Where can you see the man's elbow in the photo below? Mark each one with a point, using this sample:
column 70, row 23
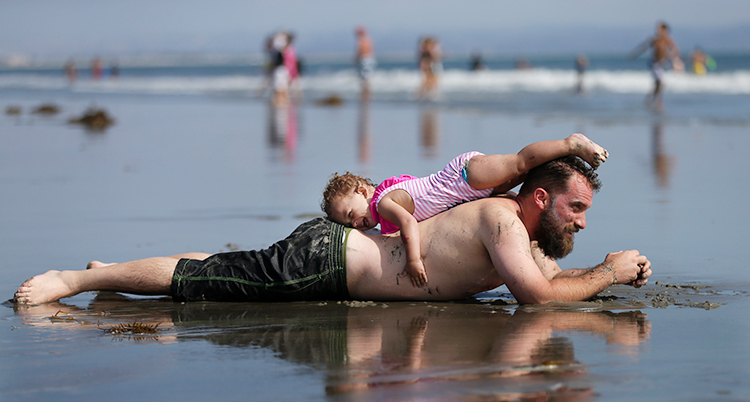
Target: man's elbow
column 534, row 298
column 544, row 297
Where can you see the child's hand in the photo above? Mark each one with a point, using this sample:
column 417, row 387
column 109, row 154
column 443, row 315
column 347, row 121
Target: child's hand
column 415, row 271
column 588, row 150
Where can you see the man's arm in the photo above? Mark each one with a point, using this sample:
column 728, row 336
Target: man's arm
column 508, row 244
column 640, row 49
column 612, row 259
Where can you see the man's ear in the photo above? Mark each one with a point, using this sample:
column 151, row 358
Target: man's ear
column 541, row 197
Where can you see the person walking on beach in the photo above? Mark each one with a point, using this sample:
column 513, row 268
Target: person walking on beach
column 472, row 248
column 364, row 60
column 279, row 71
column 70, row 70
column 289, row 55
column 430, row 65
column 398, row 203
column 97, row 69
column 582, row 63
column 664, row 50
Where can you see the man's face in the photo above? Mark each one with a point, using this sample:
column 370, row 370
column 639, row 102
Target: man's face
column 352, row 210
column 563, row 216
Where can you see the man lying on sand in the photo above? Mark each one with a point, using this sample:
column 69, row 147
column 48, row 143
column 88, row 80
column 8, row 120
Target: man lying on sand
column 472, row 248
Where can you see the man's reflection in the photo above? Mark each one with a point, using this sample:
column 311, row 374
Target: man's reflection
column 662, row 162
column 424, row 347
column 364, row 144
column 282, row 129
column 430, row 131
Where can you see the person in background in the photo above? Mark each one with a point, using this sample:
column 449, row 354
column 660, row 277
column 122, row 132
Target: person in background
column 70, row 70
column 476, row 63
column 701, row 62
column 430, row 64
column 280, row 73
column 582, row 63
column 664, row 49
column 364, row 60
column 289, row 55
column 97, row 69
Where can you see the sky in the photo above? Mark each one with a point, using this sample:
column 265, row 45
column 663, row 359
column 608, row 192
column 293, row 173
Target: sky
column 62, row 28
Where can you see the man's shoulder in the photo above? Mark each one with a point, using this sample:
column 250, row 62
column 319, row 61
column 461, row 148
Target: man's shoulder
column 497, row 208
column 500, row 201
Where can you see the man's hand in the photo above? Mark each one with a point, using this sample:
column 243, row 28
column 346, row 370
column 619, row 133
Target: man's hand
column 629, row 268
column 415, row 271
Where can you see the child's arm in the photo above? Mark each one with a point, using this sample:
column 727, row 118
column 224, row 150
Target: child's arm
column 490, row 171
column 395, row 207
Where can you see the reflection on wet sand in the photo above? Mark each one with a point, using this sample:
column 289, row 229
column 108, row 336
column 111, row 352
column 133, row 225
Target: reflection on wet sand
column 393, row 350
column 364, row 143
column 661, row 160
column 430, row 131
column 282, row 129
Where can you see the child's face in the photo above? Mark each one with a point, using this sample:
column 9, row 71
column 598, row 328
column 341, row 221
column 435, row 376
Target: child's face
column 353, row 210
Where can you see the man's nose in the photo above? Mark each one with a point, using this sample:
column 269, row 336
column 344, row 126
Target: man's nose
column 580, row 221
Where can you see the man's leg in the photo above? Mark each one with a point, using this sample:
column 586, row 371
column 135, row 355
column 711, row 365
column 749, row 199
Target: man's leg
column 151, row 276
column 191, row 256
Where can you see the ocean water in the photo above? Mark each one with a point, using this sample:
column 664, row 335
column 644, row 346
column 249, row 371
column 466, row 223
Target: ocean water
column 614, row 86
column 196, row 161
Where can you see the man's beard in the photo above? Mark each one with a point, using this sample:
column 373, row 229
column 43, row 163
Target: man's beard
column 551, row 235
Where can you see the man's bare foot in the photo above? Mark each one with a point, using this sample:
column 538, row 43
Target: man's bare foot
column 588, row 150
column 44, row 288
column 98, row 264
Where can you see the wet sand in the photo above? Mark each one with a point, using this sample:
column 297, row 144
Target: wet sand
column 176, row 174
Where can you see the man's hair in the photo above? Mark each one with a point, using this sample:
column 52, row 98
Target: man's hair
column 664, row 26
column 341, row 185
column 553, row 176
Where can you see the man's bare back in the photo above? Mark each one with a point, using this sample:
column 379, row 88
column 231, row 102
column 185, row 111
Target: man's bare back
column 452, row 250
column 662, row 46
column 480, row 245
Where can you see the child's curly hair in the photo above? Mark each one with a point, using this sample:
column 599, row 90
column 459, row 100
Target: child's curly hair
column 341, row 184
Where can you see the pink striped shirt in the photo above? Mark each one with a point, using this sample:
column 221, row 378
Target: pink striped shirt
column 433, row 194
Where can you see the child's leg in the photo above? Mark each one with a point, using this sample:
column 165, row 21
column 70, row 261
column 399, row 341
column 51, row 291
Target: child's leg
column 489, row 171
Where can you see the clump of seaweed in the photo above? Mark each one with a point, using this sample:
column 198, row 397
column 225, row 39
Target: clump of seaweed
column 57, row 318
column 47, row 108
column 13, row 110
column 330, row 100
column 94, row 119
column 134, row 328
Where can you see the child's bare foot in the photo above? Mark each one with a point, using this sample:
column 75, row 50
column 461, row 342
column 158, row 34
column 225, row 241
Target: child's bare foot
column 588, row 150
column 44, row 288
column 98, row 264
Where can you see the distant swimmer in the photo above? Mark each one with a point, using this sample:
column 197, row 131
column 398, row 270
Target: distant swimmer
column 701, row 62
column 664, row 50
column 476, row 63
